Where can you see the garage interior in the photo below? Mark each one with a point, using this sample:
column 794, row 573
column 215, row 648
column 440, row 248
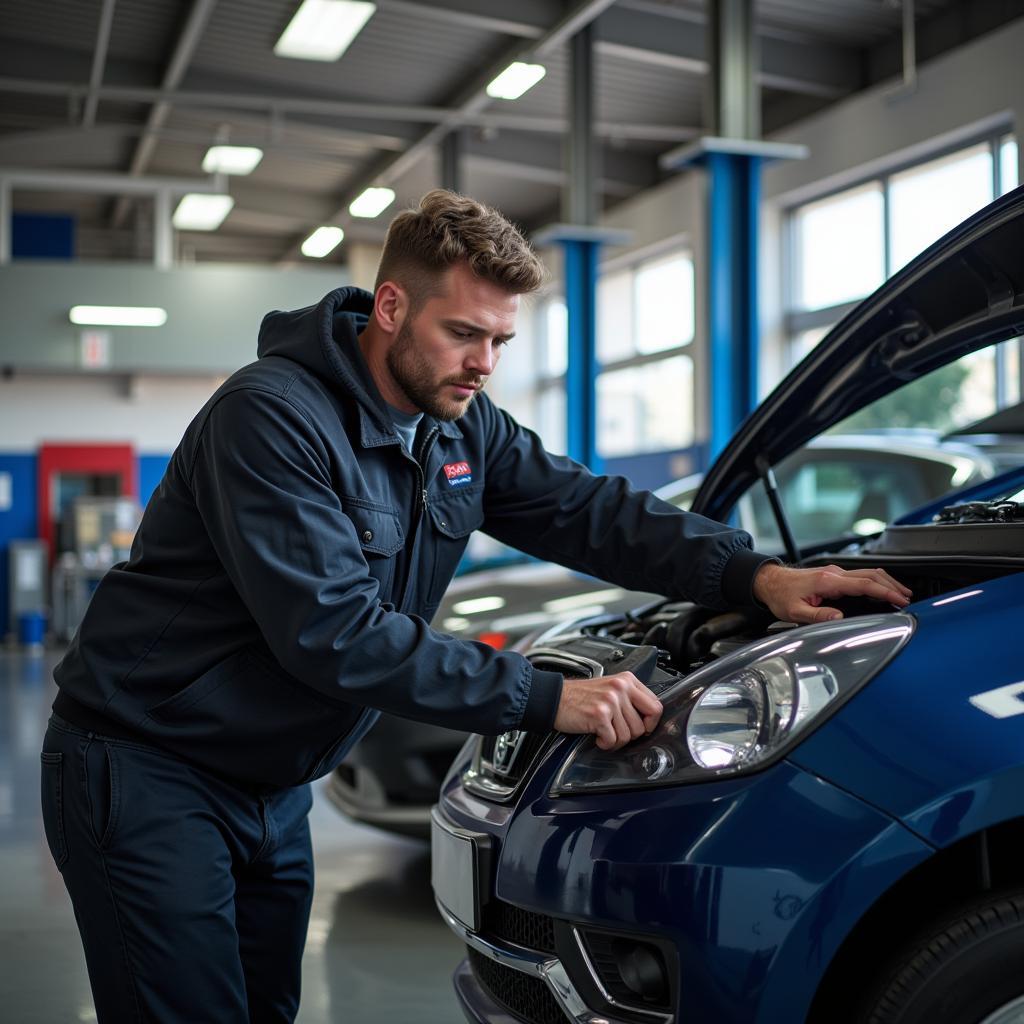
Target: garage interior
column 712, row 185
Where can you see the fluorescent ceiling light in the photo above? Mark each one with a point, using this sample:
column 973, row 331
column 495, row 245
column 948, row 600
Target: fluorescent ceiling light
column 372, row 203
column 200, row 211
column 118, row 316
column 322, row 241
column 323, row 29
column 232, row 159
column 478, row 604
column 515, row 80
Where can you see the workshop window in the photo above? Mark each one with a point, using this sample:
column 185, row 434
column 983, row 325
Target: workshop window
column 843, row 246
column 840, row 245
column 645, row 321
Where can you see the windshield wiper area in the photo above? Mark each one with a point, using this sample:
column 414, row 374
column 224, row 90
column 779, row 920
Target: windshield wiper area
column 771, row 488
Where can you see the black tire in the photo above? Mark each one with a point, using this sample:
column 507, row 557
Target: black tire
column 960, row 972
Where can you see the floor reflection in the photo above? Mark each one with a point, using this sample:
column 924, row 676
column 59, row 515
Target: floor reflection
column 377, row 952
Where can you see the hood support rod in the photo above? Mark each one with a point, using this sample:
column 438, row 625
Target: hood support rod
column 771, row 488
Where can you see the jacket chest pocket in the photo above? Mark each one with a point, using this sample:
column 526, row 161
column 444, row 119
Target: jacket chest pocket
column 451, row 523
column 380, row 535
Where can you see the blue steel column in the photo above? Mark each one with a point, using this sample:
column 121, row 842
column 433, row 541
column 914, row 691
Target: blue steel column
column 580, row 257
column 581, row 240
column 734, row 187
column 580, row 268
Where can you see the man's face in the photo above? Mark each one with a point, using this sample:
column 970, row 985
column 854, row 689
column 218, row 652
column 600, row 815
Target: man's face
column 442, row 356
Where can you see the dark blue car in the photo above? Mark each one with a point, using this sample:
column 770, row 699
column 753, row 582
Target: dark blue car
column 828, row 823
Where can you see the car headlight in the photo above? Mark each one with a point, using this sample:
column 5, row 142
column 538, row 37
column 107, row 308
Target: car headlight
column 745, row 710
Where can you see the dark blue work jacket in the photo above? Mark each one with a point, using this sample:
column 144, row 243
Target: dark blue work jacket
column 282, row 580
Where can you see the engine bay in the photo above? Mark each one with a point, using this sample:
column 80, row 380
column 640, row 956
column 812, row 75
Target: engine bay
column 966, row 544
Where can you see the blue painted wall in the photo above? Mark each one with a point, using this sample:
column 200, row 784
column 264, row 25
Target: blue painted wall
column 42, row 236
column 653, row 469
column 19, row 521
column 151, row 470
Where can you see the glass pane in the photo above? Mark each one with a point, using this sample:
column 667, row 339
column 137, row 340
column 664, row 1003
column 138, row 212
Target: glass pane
column 803, row 342
column 556, row 338
column 615, row 317
column 646, row 408
column 925, row 202
column 1011, row 369
column 840, row 247
column 840, row 491
column 941, row 401
column 551, row 419
column 1008, row 175
column 664, row 304
column 899, row 452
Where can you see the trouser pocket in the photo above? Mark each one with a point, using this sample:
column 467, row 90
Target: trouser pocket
column 103, row 787
column 52, row 792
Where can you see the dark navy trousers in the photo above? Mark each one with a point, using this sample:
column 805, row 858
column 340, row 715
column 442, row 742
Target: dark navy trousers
column 191, row 894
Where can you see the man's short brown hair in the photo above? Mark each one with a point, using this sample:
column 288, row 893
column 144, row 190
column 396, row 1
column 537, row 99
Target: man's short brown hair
column 447, row 229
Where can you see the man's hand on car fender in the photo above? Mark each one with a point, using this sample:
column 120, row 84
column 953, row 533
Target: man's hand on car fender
column 798, row 595
column 616, row 709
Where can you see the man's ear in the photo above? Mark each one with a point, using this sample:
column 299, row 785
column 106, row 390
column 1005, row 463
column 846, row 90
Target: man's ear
column 390, row 306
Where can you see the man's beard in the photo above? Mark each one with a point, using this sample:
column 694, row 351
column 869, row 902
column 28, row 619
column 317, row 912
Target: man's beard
column 414, row 375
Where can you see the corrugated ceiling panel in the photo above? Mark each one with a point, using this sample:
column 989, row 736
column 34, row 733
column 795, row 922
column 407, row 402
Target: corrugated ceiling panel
column 394, row 59
column 630, row 91
column 850, row 22
column 146, row 30
column 69, row 23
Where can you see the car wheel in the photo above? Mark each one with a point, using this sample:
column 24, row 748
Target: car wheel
column 968, row 970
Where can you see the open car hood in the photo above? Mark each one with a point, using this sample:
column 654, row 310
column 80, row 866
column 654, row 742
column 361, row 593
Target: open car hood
column 964, row 292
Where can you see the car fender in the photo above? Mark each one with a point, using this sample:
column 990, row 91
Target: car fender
column 937, row 738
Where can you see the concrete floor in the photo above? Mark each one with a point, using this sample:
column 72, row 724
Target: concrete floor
column 377, row 951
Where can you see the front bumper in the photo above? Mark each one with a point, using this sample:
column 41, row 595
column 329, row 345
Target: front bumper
column 748, row 886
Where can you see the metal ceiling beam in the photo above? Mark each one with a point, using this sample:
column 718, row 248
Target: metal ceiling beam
column 325, row 143
column 41, row 180
column 540, row 158
column 662, row 37
column 532, row 19
column 187, row 42
column 449, row 116
column 470, row 99
column 99, row 61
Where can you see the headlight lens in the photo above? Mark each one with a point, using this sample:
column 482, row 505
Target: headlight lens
column 747, row 709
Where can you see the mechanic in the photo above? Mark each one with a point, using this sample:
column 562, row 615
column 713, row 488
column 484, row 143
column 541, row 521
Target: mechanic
column 278, row 596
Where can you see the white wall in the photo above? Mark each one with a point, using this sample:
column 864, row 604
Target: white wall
column 149, row 412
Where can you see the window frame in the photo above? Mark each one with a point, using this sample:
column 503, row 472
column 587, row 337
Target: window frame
column 796, row 321
column 631, row 263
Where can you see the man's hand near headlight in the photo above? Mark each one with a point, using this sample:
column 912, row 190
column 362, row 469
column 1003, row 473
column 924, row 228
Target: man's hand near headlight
column 616, row 709
column 801, row 595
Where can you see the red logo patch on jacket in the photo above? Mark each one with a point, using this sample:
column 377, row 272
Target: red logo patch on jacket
column 458, row 473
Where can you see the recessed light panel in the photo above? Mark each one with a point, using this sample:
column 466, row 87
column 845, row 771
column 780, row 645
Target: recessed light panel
column 515, row 80
column 200, row 211
column 118, row 316
column 372, row 203
column 324, row 240
column 232, row 159
column 323, row 29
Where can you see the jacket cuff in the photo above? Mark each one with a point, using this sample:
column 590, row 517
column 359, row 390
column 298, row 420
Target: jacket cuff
column 542, row 703
column 738, row 577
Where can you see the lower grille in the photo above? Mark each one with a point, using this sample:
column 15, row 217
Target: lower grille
column 521, row 927
column 527, row 997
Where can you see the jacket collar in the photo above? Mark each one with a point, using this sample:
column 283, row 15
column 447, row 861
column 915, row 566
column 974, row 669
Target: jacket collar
column 341, row 349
